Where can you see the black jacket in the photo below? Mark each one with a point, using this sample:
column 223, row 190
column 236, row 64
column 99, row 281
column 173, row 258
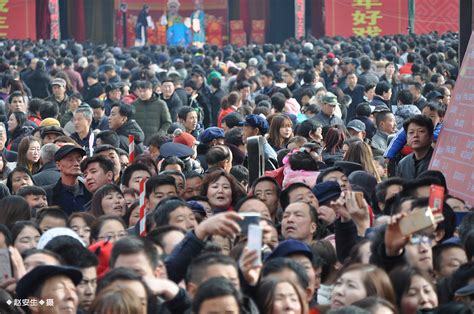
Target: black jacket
column 48, row 174
column 174, row 104
column 38, row 82
column 216, row 98
column 131, row 127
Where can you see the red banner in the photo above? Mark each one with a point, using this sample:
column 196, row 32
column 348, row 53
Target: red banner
column 216, row 14
column 300, row 27
column 18, row 19
column 454, row 152
column 436, row 15
column 366, row 17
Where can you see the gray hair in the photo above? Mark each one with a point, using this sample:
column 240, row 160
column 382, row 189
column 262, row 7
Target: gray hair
column 85, row 110
column 47, row 152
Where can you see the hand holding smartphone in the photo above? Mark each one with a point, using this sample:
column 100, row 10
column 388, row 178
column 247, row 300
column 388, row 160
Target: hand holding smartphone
column 436, row 202
column 248, row 219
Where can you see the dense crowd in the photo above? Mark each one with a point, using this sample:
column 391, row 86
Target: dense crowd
column 126, row 178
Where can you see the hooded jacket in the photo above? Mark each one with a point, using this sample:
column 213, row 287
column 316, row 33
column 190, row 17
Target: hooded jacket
column 131, row 127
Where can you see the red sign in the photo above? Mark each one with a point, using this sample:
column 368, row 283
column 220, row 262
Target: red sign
column 436, row 15
column 54, row 12
column 454, row 152
column 366, row 17
column 18, row 19
column 299, row 19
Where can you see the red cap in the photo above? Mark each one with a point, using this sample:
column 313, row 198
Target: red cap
column 184, row 138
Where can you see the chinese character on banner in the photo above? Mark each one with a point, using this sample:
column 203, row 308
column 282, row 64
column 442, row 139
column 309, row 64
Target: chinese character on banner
column 365, row 18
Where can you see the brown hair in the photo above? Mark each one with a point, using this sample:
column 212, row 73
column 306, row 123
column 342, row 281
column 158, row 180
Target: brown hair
column 238, row 190
column 266, row 294
column 374, row 279
column 361, row 153
column 274, row 137
column 115, row 299
column 230, row 100
column 23, row 148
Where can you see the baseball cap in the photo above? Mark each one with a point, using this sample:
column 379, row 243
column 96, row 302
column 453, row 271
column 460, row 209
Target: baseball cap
column 59, row 81
column 356, row 125
column 256, row 121
column 66, row 150
column 32, row 280
column 175, row 149
column 51, row 130
column 326, row 191
column 211, row 134
column 330, row 99
column 291, row 247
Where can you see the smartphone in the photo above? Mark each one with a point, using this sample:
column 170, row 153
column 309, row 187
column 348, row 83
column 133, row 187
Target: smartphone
column 436, row 199
column 6, row 271
column 248, row 219
column 359, row 196
column 254, row 241
column 417, row 220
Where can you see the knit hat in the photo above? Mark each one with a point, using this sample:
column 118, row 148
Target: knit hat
column 50, row 122
column 184, row 138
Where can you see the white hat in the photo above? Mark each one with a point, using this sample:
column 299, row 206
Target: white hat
column 56, row 232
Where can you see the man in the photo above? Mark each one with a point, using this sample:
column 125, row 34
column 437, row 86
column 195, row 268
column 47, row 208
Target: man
column 447, row 257
column 111, row 73
column 210, row 137
column 97, row 171
column 418, row 99
column 158, row 188
column 288, row 76
column 35, row 196
column 59, row 96
column 309, row 81
column 198, row 76
column 419, row 130
column 356, row 128
column 383, row 93
column 48, row 173
column 387, row 189
column 74, row 76
column 48, row 282
column 386, row 125
column 99, row 119
column 50, row 133
column 299, row 222
column 16, row 103
column 329, row 73
column 298, row 192
column 252, row 204
column 82, row 126
column 356, row 91
column 217, row 93
column 193, row 184
column 121, row 121
column 110, row 152
column 175, row 212
column 113, row 93
column 367, row 76
column 68, row 193
column 336, row 174
column 141, row 256
column 151, row 114
column 171, row 99
column 267, row 82
column 326, row 117
column 93, row 88
column 405, row 107
column 188, row 118
column 268, row 191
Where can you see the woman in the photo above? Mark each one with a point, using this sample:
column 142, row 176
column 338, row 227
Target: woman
column 25, row 235
column 39, row 81
column 414, row 290
column 108, row 228
column 12, row 209
column 4, row 170
column 222, row 190
column 108, row 200
column 277, row 296
column 361, row 153
column 359, row 281
column 81, row 224
column 333, row 142
column 18, row 178
column 229, row 104
column 311, row 130
column 281, row 131
column 29, row 153
column 391, row 76
column 17, row 129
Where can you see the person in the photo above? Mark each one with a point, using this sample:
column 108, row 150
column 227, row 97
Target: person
column 405, row 107
column 29, row 154
column 59, row 97
column 39, row 81
column 118, row 300
column 386, row 125
column 99, row 119
column 197, row 25
column 83, row 134
column 281, row 296
column 93, row 87
column 18, row 178
column 36, row 198
column 97, row 172
column 217, row 293
column 108, row 228
column 419, row 130
column 111, row 153
column 334, row 140
column 68, row 193
column 121, row 121
column 17, row 129
column 356, row 92
column 75, row 100
column 222, row 190
column 171, row 99
column 133, row 174
column 48, row 173
column 414, row 290
column 42, row 283
column 25, row 235
column 151, row 113
column 268, row 191
column 416, row 91
column 219, row 157
column 360, row 152
column 281, row 131
column 108, row 200
column 255, row 125
column 383, row 94
column 299, row 222
column 327, row 117
column 81, row 224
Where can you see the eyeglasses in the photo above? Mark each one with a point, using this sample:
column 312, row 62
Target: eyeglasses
column 113, row 236
column 418, row 240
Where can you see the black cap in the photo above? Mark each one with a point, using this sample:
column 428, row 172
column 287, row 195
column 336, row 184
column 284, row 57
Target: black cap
column 104, row 147
column 66, row 150
column 30, row 282
column 51, row 130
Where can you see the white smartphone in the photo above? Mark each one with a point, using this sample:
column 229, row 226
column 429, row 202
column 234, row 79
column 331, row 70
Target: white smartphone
column 254, row 241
